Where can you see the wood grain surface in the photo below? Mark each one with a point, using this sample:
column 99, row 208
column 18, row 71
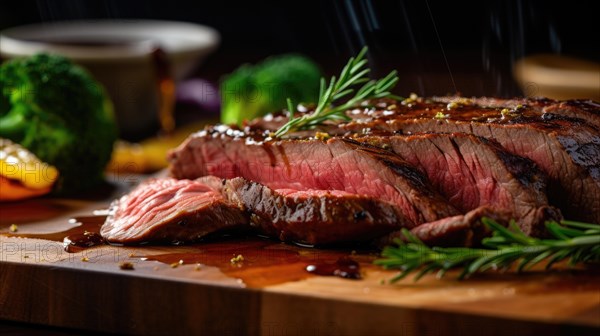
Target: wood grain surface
column 269, row 293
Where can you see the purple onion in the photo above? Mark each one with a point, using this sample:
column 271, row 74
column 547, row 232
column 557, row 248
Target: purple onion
column 199, row 93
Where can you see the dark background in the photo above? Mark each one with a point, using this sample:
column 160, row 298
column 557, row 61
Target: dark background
column 437, row 46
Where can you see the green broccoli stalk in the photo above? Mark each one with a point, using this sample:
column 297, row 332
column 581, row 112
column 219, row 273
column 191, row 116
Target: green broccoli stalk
column 253, row 91
column 59, row 112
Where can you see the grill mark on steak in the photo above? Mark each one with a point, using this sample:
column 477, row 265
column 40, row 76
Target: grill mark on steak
column 525, row 170
column 587, row 110
column 400, row 167
column 336, row 164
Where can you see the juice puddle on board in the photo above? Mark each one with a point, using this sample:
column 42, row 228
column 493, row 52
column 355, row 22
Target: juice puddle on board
column 84, row 233
column 262, row 262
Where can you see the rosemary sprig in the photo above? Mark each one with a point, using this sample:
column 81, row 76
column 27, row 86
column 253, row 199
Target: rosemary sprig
column 573, row 241
column 355, row 72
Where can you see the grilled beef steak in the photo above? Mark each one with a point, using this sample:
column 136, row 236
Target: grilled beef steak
column 337, row 164
column 566, row 149
column 171, row 211
column 471, row 171
column 178, row 211
column 435, row 166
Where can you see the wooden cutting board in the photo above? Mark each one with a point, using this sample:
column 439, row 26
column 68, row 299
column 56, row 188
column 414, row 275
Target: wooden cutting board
column 269, row 292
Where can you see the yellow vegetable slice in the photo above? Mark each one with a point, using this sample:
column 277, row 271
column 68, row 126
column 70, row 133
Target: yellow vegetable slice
column 151, row 154
column 11, row 190
column 22, row 174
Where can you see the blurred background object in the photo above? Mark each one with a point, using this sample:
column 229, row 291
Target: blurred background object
column 22, row 174
column 559, row 77
column 58, row 111
column 252, row 91
column 137, row 61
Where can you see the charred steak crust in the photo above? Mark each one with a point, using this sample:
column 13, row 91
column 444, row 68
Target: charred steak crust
column 483, row 109
column 413, row 176
column 314, row 216
column 585, row 109
column 523, row 169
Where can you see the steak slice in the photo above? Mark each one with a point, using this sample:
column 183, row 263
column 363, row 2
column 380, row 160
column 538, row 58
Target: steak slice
column 566, row 149
column 461, row 230
column 180, row 211
column 471, row 171
column 314, row 216
column 337, row 164
column 171, row 211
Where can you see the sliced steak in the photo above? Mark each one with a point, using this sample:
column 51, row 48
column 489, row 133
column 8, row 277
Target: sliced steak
column 171, row 211
column 182, row 211
column 337, row 164
column 567, row 149
column 314, row 216
column 471, row 171
column 460, row 230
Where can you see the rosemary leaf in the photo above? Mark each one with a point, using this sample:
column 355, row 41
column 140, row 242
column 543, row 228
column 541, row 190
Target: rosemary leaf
column 353, row 74
column 572, row 241
column 291, row 108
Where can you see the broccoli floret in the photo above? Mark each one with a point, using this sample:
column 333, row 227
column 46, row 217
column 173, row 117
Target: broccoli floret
column 253, row 91
column 59, row 112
